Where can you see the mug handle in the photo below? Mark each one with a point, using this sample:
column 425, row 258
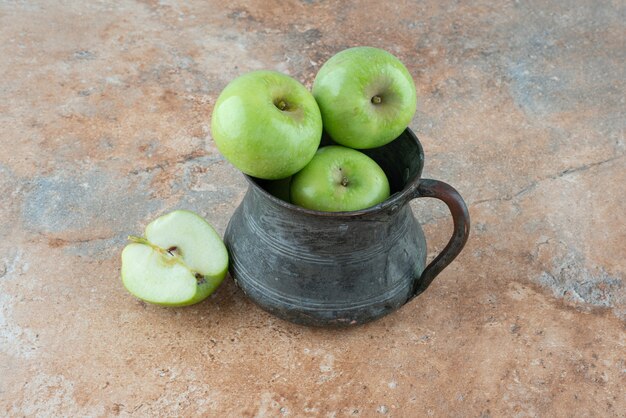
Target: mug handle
column 460, row 217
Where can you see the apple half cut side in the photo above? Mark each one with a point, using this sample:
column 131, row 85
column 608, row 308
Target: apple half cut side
column 181, row 261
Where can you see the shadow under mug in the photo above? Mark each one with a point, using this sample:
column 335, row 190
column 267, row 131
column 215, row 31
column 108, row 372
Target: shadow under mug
column 342, row 268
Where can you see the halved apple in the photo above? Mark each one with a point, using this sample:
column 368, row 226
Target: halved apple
column 181, row 261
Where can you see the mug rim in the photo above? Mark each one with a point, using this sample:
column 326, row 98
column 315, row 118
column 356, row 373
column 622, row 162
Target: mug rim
column 394, row 200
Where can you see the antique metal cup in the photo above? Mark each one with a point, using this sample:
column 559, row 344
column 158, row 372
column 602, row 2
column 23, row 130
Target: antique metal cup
column 342, row 268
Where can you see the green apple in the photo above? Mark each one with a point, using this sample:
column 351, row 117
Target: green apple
column 366, row 96
column 266, row 124
column 339, row 179
column 181, row 261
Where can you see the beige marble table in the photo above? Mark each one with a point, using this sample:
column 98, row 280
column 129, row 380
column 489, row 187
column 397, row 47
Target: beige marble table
column 104, row 125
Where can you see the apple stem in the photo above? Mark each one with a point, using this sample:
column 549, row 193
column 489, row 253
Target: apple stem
column 142, row 240
column 344, row 181
column 377, row 99
column 172, row 251
column 281, row 105
column 139, row 240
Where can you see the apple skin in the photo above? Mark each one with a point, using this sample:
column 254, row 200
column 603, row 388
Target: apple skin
column 347, row 89
column 255, row 135
column 339, row 179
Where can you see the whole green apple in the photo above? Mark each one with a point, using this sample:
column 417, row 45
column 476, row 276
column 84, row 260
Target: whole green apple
column 339, row 179
column 266, row 124
column 181, row 260
column 366, row 97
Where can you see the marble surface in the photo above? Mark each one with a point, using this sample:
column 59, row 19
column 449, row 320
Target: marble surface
column 104, row 125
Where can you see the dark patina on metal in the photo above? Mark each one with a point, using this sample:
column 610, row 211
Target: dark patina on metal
column 342, row 268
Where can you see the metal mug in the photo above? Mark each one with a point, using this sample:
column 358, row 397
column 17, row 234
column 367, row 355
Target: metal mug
column 342, row 268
